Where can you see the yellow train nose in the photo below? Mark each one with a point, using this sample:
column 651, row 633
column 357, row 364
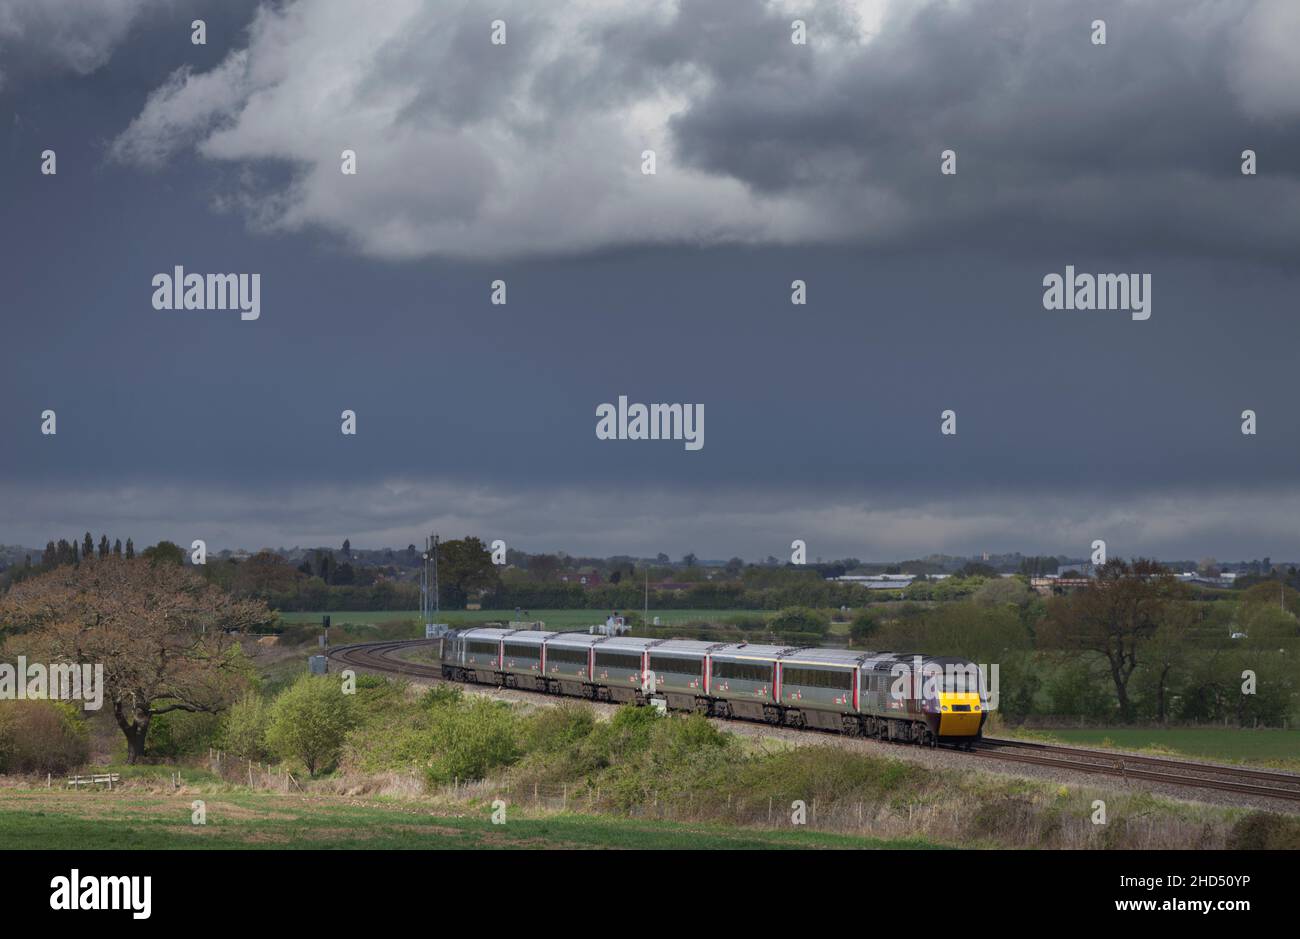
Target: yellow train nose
column 960, row 714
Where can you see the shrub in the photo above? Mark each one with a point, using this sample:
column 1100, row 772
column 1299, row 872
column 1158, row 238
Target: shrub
column 472, row 738
column 800, row 619
column 309, row 721
column 550, row 730
column 41, row 737
column 1264, row 831
column 245, row 729
column 182, row 733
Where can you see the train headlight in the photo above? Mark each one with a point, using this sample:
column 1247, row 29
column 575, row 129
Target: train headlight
column 945, row 707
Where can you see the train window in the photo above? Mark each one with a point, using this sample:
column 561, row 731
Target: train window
column 523, row 652
column 671, row 665
column 561, row 656
column 628, row 660
column 481, row 648
column 837, row 678
column 742, row 671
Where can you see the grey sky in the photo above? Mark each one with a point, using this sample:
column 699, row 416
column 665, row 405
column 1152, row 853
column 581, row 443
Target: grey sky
column 776, row 162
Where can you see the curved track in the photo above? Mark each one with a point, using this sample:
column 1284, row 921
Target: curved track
column 378, row 656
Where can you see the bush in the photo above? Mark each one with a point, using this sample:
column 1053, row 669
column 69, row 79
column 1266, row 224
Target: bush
column 182, row 733
column 550, row 730
column 1264, row 831
column 245, row 729
column 800, row 619
column 41, row 737
column 864, row 626
column 309, row 721
column 472, row 738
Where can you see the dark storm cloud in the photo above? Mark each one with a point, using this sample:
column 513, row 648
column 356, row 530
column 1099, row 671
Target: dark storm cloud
column 822, row 421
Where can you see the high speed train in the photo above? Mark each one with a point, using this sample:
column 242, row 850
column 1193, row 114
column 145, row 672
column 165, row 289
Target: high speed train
column 891, row 695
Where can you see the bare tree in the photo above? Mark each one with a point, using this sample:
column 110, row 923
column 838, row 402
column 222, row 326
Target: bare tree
column 164, row 635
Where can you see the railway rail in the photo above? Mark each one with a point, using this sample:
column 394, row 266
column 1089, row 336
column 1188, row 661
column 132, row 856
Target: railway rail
column 378, row 656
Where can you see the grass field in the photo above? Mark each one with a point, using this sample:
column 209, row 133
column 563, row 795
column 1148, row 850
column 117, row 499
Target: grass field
column 1266, row 746
column 59, row 819
column 554, row 619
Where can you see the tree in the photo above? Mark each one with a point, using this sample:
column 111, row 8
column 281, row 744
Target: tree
column 864, row 626
column 309, row 721
column 689, row 559
column 464, row 567
column 103, row 546
column 164, row 552
column 117, row 548
column 162, row 633
column 130, row 549
column 1113, row 616
column 88, row 547
column 347, row 548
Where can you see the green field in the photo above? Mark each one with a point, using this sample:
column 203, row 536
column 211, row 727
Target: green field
column 1271, row 747
column 554, row 619
column 59, row 819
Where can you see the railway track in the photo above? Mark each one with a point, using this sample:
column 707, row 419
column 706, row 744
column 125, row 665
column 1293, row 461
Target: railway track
column 379, row 656
column 1150, row 768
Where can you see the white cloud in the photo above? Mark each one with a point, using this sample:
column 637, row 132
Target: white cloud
column 470, row 149
column 446, row 167
column 77, row 35
column 1265, row 68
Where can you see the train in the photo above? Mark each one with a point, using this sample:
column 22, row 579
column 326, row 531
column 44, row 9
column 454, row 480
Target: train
column 897, row 696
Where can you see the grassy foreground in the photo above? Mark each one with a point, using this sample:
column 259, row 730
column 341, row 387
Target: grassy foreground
column 59, row 819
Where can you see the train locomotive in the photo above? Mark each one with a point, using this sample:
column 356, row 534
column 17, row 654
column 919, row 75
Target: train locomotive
column 905, row 697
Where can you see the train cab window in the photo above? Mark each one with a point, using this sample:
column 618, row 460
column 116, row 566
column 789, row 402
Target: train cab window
column 960, row 680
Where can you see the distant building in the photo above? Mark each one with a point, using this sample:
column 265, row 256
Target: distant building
column 582, row 579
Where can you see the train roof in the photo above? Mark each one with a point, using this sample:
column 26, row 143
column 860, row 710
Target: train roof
column 537, row 636
column 687, row 647
column 750, row 650
column 628, row 643
column 575, row 640
column 485, row 632
column 841, row 657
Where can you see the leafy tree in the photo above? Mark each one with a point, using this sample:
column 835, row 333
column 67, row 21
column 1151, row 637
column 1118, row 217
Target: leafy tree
column 863, row 627
column 162, row 633
column 347, row 548
column 103, row 546
column 464, row 567
column 1113, row 616
column 130, row 549
column 88, row 547
column 310, row 721
column 164, row 552
column 117, row 548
